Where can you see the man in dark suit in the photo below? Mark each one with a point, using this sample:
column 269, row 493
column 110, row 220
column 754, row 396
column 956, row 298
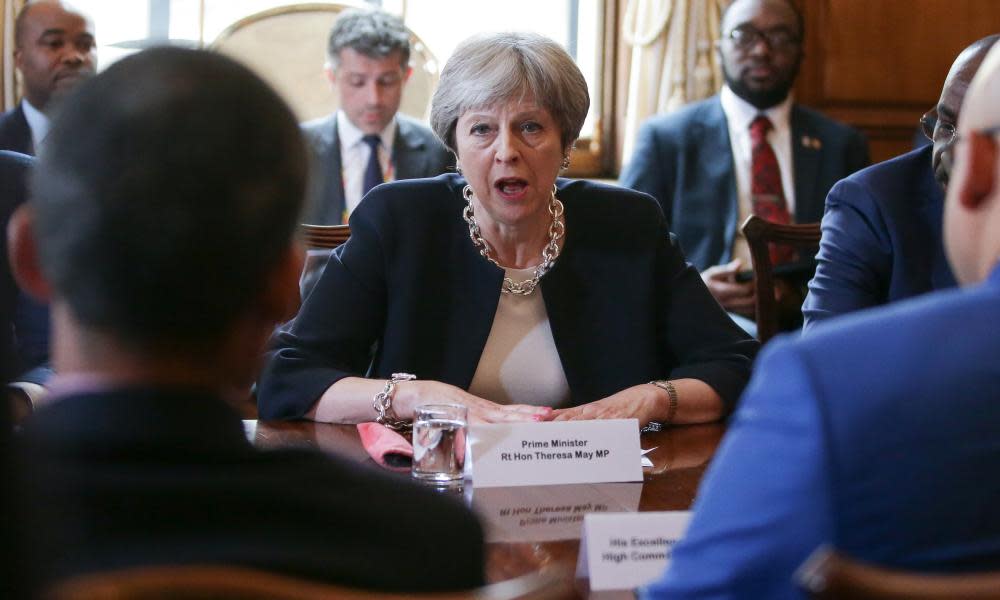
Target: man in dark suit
column 882, row 227
column 54, row 51
column 700, row 162
column 877, row 434
column 168, row 266
column 24, row 322
column 14, row 169
column 367, row 141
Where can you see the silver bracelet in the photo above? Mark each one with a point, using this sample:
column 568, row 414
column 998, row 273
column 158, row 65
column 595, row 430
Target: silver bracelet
column 383, row 403
column 653, row 426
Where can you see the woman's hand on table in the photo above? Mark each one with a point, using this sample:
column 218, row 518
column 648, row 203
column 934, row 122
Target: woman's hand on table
column 414, row 393
column 639, row 402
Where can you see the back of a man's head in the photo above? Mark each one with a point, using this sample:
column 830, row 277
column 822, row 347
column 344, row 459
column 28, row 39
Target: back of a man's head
column 168, row 190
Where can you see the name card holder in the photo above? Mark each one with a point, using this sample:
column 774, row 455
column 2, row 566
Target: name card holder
column 623, row 551
column 548, row 513
column 555, row 452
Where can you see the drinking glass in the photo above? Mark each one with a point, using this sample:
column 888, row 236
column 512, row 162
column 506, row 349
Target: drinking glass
column 439, row 443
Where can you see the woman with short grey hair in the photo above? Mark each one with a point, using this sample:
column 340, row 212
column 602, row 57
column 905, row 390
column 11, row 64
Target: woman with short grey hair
column 486, row 69
column 503, row 288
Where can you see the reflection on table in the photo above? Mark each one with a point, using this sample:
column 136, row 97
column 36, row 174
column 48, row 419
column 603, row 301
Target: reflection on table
column 679, row 456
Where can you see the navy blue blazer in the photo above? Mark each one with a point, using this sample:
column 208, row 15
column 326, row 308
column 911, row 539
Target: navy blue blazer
column 877, row 435
column 153, row 476
column 416, row 153
column 24, row 323
column 881, row 239
column 685, row 160
column 15, row 134
column 409, row 292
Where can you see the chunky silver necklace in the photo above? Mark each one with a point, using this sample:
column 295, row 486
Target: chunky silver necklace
column 549, row 253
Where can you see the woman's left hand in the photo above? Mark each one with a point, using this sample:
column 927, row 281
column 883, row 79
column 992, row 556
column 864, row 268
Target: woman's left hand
column 638, row 401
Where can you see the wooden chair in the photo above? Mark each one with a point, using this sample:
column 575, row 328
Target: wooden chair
column 827, row 575
column 325, row 236
column 239, row 583
column 759, row 234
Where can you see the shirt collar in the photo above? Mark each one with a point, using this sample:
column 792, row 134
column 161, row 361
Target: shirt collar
column 37, row 122
column 741, row 113
column 350, row 135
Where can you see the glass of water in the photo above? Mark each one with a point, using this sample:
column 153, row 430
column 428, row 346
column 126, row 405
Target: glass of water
column 439, row 443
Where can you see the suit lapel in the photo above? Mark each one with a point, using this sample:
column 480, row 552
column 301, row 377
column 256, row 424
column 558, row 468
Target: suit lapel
column 334, row 201
column 932, row 210
column 473, row 293
column 806, row 155
column 408, row 157
column 24, row 143
column 713, row 133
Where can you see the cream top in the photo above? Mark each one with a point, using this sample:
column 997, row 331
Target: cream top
column 520, row 364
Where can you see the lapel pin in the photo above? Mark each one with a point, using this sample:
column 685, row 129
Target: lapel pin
column 811, row 142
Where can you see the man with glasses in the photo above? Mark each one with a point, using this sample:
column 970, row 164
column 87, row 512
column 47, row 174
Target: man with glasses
column 748, row 150
column 878, row 434
column 882, row 226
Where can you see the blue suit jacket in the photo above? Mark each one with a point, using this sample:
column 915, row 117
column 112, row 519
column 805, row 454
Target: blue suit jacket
column 15, row 134
column 24, row 323
column 878, row 434
column 685, row 160
column 416, row 153
column 409, row 292
column 881, row 239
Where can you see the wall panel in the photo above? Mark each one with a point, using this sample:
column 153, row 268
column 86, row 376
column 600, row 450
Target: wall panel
column 880, row 64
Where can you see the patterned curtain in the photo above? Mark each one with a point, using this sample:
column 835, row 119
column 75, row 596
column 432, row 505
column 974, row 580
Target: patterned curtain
column 673, row 57
column 11, row 91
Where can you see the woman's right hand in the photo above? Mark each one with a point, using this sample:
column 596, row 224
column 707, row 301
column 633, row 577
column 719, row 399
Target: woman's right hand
column 411, row 394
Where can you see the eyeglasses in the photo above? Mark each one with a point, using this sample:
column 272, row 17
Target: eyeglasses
column 936, row 130
column 746, row 37
column 948, row 156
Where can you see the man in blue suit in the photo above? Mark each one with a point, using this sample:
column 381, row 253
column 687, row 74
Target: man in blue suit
column 878, row 434
column 882, row 227
column 697, row 161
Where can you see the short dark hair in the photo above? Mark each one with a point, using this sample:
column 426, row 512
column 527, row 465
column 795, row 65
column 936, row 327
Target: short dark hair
column 790, row 3
column 373, row 33
column 167, row 190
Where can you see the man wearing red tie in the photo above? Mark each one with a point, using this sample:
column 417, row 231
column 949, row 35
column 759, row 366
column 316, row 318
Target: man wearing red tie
column 748, row 150
column 366, row 142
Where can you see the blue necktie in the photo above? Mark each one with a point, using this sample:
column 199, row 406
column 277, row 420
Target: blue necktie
column 373, row 172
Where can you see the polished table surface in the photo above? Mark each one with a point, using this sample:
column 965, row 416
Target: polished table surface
column 679, row 456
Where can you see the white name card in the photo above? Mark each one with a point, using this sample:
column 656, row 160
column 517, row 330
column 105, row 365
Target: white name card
column 555, row 452
column 626, row 550
column 250, row 429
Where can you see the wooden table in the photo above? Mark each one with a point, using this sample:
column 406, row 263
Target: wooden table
column 679, row 460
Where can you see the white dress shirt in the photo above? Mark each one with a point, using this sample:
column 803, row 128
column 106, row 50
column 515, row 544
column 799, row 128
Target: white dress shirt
column 354, row 155
column 38, row 123
column 739, row 115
